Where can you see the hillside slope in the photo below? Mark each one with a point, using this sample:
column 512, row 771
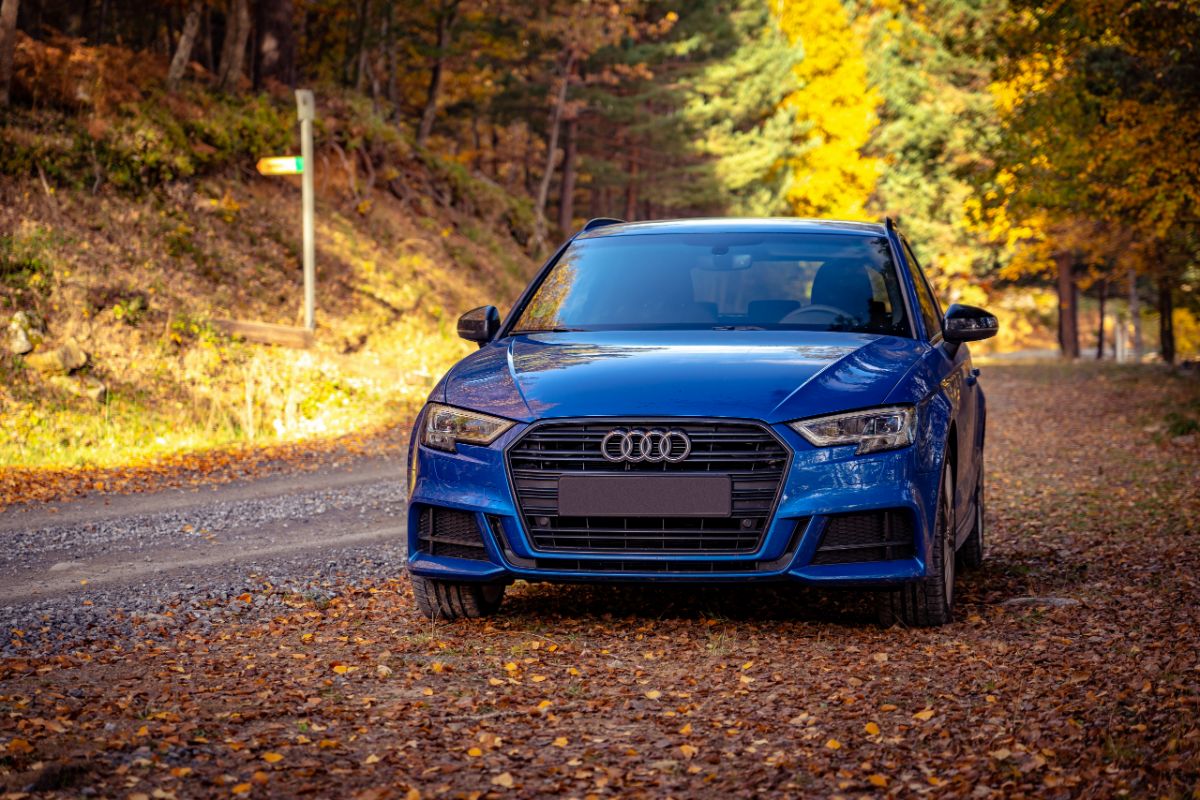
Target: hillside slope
column 128, row 223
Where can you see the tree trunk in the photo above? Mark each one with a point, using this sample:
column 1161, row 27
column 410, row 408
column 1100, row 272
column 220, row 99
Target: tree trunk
column 1135, row 316
column 102, row 22
column 276, row 46
column 631, row 187
column 1166, row 321
column 495, row 152
column 187, row 40
column 208, row 41
column 566, row 203
column 389, row 43
column 233, row 48
column 165, row 26
column 352, row 67
column 447, row 15
column 8, row 42
column 1102, row 289
column 1068, row 312
column 527, row 155
column 556, row 114
column 595, row 198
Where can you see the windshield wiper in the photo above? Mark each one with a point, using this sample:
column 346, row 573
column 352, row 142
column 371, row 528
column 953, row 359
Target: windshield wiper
column 548, row 330
column 738, row 328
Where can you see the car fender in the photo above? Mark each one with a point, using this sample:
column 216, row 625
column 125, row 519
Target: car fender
column 922, row 388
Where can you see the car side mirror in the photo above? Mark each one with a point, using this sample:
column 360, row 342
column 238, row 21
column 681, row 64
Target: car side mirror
column 479, row 325
column 968, row 324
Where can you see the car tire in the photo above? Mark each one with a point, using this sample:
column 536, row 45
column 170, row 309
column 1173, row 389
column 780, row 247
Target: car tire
column 928, row 602
column 446, row 600
column 970, row 555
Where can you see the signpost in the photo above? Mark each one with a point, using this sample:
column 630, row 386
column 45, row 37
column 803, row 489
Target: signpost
column 281, row 165
column 306, row 110
column 302, row 166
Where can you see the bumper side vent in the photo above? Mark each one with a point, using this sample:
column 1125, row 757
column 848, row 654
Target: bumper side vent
column 869, row 536
column 448, row 532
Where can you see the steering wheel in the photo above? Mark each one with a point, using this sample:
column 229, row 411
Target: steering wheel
column 827, row 314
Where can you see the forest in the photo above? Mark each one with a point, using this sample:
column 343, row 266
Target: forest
column 1041, row 156
column 1042, row 146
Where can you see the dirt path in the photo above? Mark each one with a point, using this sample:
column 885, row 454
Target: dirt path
column 106, row 541
column 67, row 567
column 1070, row 671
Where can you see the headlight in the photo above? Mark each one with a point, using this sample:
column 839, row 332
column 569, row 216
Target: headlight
column 874, row 430
column 445, row 426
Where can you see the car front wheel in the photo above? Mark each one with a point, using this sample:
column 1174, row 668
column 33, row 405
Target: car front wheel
column 448, row 600
column 928, row 602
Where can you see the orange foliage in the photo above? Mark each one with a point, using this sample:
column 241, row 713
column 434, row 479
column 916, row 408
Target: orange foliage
column 64, row 72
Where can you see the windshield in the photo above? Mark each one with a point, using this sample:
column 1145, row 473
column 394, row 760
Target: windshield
column 769, row 281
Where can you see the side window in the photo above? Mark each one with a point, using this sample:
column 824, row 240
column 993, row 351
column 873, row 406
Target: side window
column 930, row 312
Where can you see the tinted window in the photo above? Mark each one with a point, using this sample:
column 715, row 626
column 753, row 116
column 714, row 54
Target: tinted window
column 930, row 313
column 710, row 280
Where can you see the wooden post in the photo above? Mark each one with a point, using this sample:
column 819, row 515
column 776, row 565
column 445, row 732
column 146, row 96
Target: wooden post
column 306, row 110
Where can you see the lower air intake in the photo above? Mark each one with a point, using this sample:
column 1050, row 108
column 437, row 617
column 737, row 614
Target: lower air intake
column 870, row 536
column 448, row 532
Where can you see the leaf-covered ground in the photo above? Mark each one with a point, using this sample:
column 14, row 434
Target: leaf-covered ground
column 23, row 485
column 1073, row 669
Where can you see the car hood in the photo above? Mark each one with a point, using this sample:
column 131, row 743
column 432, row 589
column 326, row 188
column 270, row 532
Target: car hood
column 768, row 375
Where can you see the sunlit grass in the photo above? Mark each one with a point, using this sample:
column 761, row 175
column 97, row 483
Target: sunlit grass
column 269, row 397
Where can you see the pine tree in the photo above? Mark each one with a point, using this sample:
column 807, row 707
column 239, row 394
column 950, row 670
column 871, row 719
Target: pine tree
column 737, row 110
column 937, row 125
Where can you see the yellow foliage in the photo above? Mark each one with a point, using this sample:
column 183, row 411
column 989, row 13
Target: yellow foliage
column 832, row 177
column 1187, row 332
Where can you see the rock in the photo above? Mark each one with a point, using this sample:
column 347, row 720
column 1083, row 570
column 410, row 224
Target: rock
column 73, row 356
column 18, row 341
column 61, row 360
column 88, row 387
column 1184, row 441
column 23, row 333
column 96, row 390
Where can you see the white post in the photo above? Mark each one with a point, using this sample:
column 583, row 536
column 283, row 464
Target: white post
column 305, row 110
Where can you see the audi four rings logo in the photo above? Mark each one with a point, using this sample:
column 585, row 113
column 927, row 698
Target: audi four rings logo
column 653, row 446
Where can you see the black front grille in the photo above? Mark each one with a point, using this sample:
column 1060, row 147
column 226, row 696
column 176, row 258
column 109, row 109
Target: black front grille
column 447, row 532
column 870, row 536
column 748, row 453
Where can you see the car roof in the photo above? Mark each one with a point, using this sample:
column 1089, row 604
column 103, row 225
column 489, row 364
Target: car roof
column 736, row 225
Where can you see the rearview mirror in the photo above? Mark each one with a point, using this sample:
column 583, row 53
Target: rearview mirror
column 968, row 324
column 479, row 324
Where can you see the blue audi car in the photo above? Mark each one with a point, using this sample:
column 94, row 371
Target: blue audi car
column 717, row 400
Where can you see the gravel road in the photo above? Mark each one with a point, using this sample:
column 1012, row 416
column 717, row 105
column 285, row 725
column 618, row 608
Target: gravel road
column 95, row 568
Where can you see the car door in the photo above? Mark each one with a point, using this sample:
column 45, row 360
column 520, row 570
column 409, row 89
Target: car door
column 953, row 365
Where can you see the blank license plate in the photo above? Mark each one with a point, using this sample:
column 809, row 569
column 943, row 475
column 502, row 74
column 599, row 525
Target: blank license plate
column 644, row 496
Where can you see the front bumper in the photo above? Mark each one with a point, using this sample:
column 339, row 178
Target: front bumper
column 820, row 482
